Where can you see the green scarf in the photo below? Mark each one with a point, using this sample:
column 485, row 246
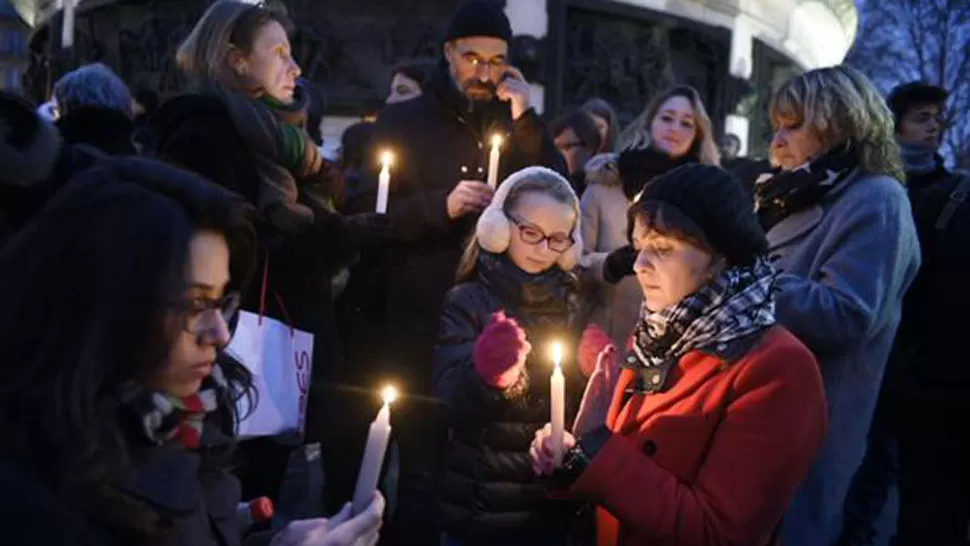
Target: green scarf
column 282, row 150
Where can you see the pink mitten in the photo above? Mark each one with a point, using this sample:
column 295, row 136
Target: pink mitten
column 500, row 351
column 593, row 342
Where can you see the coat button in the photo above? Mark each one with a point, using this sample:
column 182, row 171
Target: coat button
column 650, row 448
column 631, row 359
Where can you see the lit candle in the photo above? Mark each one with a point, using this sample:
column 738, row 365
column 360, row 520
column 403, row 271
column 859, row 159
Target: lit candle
column 384, row 182
column 376, row 447
column 493, row 161
column 557, row 390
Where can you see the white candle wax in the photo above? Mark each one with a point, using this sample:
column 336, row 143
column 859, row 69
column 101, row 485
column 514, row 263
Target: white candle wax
column 374, row 451
column 493, row 158
column 384, row 183
column 557, row 390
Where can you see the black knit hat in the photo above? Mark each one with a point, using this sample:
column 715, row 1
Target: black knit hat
column 480, row 18
column 905, row 96
column 717, row 203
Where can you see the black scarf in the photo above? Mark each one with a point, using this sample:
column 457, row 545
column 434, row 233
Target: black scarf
column 791, row 191
column 736, row 304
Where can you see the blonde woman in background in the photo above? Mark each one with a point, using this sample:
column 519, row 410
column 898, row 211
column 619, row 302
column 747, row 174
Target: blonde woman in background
column 673, row 130
column 840, row 230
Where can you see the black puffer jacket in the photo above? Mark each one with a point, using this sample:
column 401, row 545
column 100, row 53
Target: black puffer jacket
column 488, row 492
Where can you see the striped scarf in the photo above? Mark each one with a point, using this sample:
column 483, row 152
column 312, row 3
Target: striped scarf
column 163, row 417
column 736, row 304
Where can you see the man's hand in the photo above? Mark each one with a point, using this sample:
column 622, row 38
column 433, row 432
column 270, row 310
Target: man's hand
column 468, row 197
column 516, row 90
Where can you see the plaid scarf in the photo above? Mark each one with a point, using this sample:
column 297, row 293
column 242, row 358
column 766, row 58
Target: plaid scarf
column 163, row 417
column 779, row 196
column 737, row 303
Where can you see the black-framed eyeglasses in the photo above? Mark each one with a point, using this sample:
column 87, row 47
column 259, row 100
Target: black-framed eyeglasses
column 533, row 235
column 200, row 312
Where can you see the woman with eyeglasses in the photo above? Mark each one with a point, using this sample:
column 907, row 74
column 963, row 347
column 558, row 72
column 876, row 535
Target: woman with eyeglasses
column 118, row 408
column 513, row 298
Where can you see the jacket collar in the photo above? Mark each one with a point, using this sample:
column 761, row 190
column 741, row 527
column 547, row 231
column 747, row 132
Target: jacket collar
column 547, row 290
column 796, row 225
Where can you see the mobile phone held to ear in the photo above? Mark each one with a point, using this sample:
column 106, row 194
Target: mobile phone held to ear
column 508, row 75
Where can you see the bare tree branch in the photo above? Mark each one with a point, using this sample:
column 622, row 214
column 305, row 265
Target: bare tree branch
column 905, row 40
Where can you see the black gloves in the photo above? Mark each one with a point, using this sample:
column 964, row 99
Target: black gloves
column 619, row 264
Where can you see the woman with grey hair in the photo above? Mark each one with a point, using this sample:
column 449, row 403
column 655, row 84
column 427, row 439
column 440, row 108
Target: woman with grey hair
column 840, row 229
column 94, row 108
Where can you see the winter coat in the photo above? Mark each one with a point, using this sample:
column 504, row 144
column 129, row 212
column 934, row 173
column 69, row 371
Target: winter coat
column 106, row 129
column 716, row 458
column 198, row 498
column 928, row 356
column 614, row 308
column 847, row 262
column 436, row 142
column 488, row 491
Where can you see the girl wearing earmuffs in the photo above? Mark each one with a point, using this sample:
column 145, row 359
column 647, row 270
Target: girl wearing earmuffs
column 491, row 364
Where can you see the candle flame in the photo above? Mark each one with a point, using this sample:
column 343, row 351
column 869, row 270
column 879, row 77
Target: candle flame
column 496, row 141
column 557, row 352
column 387, row 158
column 389, row 394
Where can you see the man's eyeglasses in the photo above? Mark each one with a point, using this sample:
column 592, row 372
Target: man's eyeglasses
column 532, row 235
column 200, row 313
column 494, row 64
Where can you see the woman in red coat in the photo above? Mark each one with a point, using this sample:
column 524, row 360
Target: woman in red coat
column 717, row 412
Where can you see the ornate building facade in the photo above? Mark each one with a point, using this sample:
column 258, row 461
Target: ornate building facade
column 735, row 52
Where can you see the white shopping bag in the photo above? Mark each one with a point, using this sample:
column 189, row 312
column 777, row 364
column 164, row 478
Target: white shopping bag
column 280, row 359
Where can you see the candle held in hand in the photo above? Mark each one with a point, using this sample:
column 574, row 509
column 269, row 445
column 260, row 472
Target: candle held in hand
column 384, row 182
column 493, row 158
column 374, row 451
column 557, row 390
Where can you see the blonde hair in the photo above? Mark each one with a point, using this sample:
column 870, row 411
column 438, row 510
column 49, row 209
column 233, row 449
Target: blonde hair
column 636, row 136
column 840, row 106
column 226, row 26
column 541, row 182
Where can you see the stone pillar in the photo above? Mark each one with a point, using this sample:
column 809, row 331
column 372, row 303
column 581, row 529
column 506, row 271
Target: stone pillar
column 531, row 18
column 741, row 66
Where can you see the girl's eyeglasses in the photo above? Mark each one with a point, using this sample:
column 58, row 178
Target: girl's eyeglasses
column 533, row 235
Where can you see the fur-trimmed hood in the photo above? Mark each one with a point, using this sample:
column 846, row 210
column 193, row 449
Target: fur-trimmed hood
column 603, row 170
column 29, row 146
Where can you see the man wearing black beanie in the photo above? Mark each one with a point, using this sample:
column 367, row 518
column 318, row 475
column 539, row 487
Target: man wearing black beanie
column 440, row 142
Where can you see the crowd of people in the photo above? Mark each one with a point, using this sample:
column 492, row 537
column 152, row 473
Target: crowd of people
column 756, row 352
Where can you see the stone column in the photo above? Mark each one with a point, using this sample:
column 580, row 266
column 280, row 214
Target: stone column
column 531, row 18
column 741, row 66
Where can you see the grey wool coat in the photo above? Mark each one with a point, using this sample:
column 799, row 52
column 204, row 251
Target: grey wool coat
column 846, row 264
column 614, row 308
